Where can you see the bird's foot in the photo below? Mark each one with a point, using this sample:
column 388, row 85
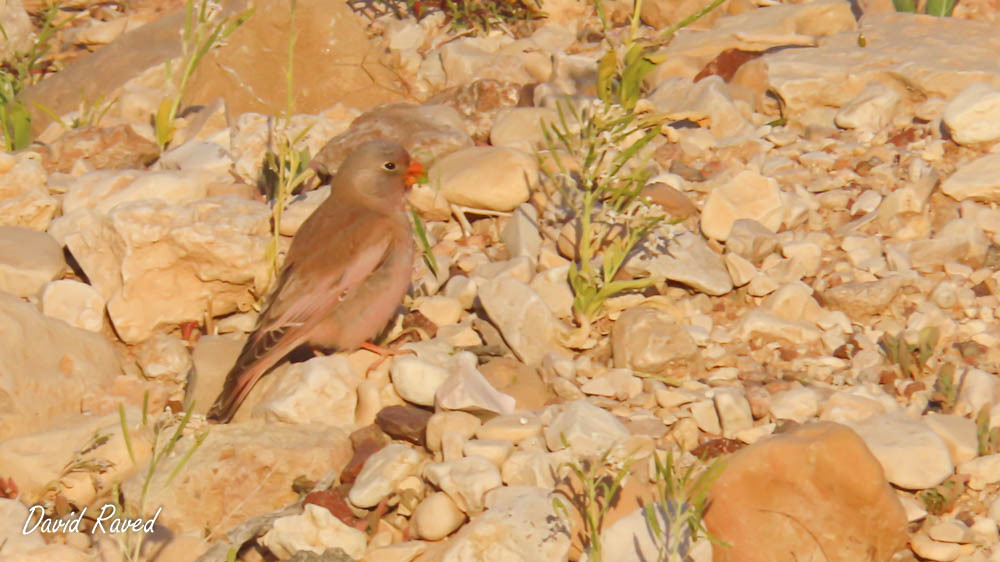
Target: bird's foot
column 384, row 353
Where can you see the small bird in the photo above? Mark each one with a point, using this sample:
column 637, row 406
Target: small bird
column 347, row 270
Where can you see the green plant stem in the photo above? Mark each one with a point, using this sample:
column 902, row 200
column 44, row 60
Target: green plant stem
column 691, row 19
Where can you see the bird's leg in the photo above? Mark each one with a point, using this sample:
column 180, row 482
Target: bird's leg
column 383, row 352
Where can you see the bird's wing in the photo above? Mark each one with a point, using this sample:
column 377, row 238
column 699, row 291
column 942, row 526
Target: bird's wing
column 308, row 290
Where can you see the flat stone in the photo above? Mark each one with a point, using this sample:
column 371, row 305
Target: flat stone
column 650, row 340
column 416, row 380
column 973, row 116
column 913, row 456
column 983, row 471
column 521, row 127
column 520, row 523
column 512, row 174
column 798, row 492
column 407, row 423
column 331, row 43
column 49, row 368
column 520, row 234
column 28, row 260
column 314, row 530
column 751, row 240
column 75, row 303
column 797, row 404
column 522, row 382
column 861, row 299
column 870, row 110
column 898, row 46
column 382, row 472
column 322, row 389
column 269, row 455
column 747, row 195
column 958, row 434
column 734, row 411
column 527, row 324
column 587, row 430
column 977, row 180
column 707, row 102
column 436, row 517
column 467, row 389
column 466, row 481
column 687, row 260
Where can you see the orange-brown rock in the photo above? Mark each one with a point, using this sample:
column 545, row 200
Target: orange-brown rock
column 334, row 62
column 520, row 381
column 814, row 493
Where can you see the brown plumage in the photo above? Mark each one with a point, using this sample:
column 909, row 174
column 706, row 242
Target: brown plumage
column 346, row 271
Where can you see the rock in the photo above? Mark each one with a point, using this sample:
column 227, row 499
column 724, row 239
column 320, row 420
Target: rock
column 382, row 472
column 796, row 404
column 552, row 285
column 164, row 357
column 441, row 310
column 512, row 175
column 671, row 199
column 973, row 115
column 103, row 191
column 211, row 491
column 751, row 240
column 470, row 58
column 978, row 389
column 494, row 450
column 734, row 411
column 587, row 430
column 314, row 530
column 958, row 434
column 688, row 260
column 976, row 180
column 49, row 367
column 428, row 132
column 520, row 381
column 253, row 135
column 650, row 340
column 527, row 324
column 13, row 518
column 862, row 299
column 407, row 423
column 913, row 456
column 75, row 303
column 24, row 196
column 479, row 102
column 466, row 481
column 798, row 492
column 461, row 424
column 661, row 15
column 803, row 78
column 467, row 389
column 343, row 63
column 513, row 428
column 707, row 417
column 522, row 127
column 929, row 549
column 209, row 157
column 520, row 235
column 36, row 460
column 707, row 102
column 212, row 358
column 17, row 35
column 416, row 380
column 747, row 195
column 158, row 277
column 764, row 323
column 983, row 471
column 322, row 389
column 101, row 148
column 870, row 110
column 950, row 530
column 520, row 523
column 28, row 260
column 436, row 517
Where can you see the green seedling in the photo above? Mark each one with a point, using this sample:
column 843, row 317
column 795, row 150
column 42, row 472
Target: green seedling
column 599, row 487
column 676, row 518
column 939, row 8
column 202, row 32
column 988, row 438
column 910, row 358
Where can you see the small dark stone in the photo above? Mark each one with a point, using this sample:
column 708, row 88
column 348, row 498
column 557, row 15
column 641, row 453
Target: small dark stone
column 406, row 423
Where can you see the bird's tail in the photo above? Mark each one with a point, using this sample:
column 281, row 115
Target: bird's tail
column 256, row 359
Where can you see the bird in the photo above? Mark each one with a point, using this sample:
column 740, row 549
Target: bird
column 346, row 271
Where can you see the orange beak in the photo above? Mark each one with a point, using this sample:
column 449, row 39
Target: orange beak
column 413, row 173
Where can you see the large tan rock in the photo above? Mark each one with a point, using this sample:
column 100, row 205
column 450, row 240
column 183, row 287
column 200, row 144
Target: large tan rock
column 159, row 264
column 814, row 493
column 240, row 471
column 46, row 368
column 36, row 461
column 334, row 62
column 901, row 49
column 24, row 196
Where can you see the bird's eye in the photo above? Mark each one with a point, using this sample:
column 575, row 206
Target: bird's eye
column 389, row 166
